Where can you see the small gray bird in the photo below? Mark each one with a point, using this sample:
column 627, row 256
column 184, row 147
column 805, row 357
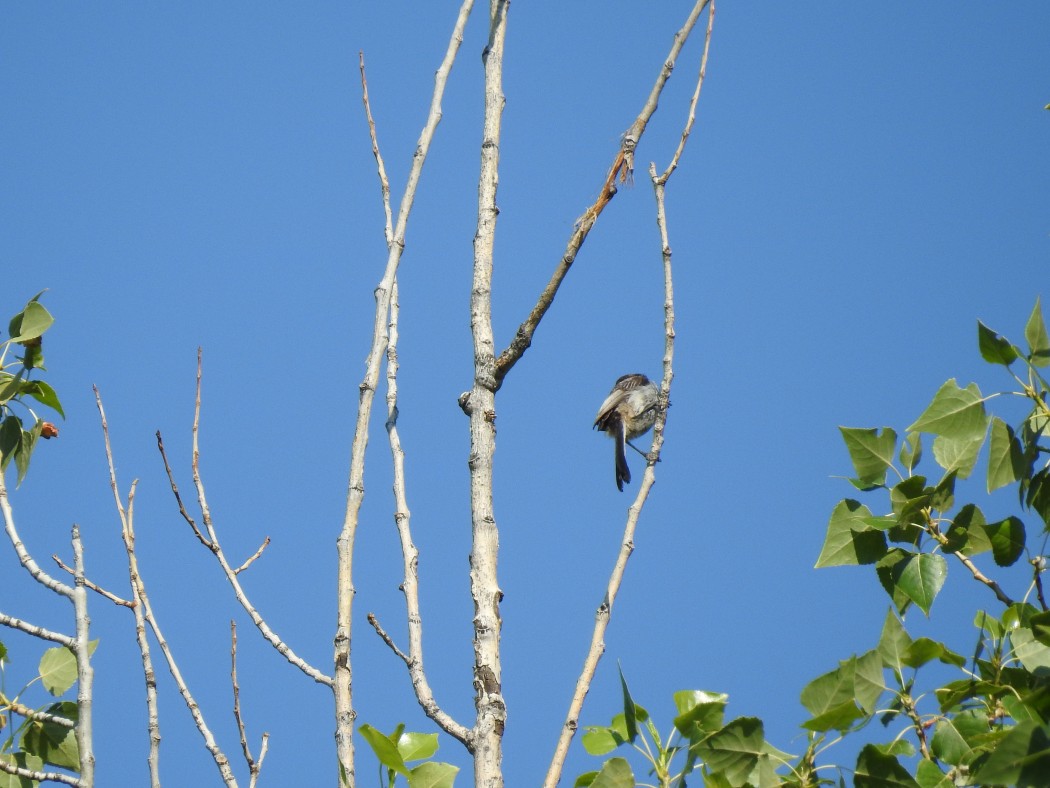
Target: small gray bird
column 628, row 412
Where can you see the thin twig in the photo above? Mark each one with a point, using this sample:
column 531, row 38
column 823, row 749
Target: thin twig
column 696, row 97
column 622, row 166
column 384, row 183
column 127, row 535
column 251, row 560
column 210, row 540
column 254, row 767
column 604, row 611
column 178, row 498
column 344, row 708
column 97, row 589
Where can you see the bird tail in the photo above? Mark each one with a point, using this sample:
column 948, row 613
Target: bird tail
column 623, row 473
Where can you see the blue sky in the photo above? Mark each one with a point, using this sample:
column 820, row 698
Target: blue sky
column 861, row 186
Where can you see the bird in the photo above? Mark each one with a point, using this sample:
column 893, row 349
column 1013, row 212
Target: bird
column 628, row 412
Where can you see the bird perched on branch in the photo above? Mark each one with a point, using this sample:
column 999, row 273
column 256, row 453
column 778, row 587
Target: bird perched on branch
column 628, row 412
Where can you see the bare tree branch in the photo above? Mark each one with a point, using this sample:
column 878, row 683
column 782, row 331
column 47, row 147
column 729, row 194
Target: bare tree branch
column 254, row 767
column 85, row 673
column 604, row 611
column 209, row 538
column 40, row 777
column 32, row 714
column 480, row 405
column 622, row 167
column 384, row 183
column 37, row 632
column 24, row 558
column 409, row 552
column 116, row 600
column 144, row 616
column 344, row 707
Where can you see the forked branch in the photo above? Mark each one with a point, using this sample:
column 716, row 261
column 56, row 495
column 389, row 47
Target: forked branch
column 621, row 169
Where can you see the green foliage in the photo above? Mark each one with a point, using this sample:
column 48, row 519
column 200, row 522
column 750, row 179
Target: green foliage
column 40, row 739
column 25, row 332
column 396, row 750
column 989, row 723
column 726, row 754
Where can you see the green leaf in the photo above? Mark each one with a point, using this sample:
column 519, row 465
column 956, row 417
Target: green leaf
column 699, row 711
column 432, row 774
column 1005, row 456
column 838, row 718
column 887, row 571
column 386, row 750
column 834, row 697
column 921, row 577
column 30, row 323
column 929, row 775
column 943, row 497
column 966, row 533
column 954, row 412
column 989, row 624
column 954, row 738
column 58, row 669
column 893, row 643
column 734, row 750
column 54, row 744
column 1019, row 614
column 615, row 773
column 44, row 394
column 871, row 452
column 1038, row 341
column 909, row 499
column 629, row 717
column 958, row 454
column 1033, row 654
column 911, row 451
column 995, row 349
column 877, row 770
column 1008, row 540
column 1038, row 496
column 25, row 450
column 417, row 746
column 10, row 439
column 850, row 540
column 925, row 650
column 600, row 740
column 1022, row 758
column 1040, row 624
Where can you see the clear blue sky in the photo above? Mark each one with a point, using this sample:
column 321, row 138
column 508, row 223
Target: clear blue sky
column 863, row 184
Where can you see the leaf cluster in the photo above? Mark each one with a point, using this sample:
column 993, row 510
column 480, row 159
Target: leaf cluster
column 25, row 342
column 38, row 740
column 399, row 748
column 989, row 724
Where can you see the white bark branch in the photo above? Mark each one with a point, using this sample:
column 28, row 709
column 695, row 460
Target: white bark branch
column 343, row 674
